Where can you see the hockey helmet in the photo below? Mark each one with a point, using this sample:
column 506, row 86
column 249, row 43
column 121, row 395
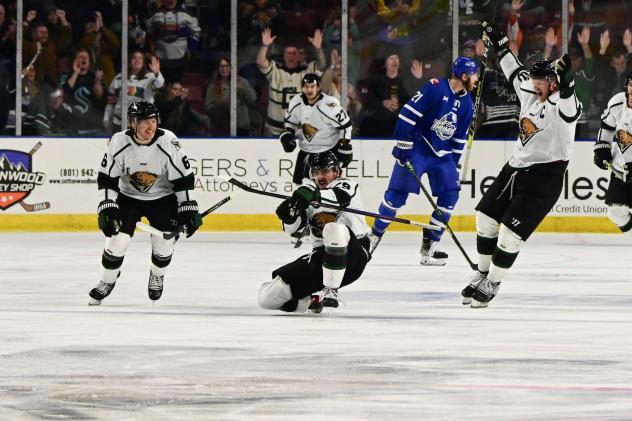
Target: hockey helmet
column 310, row 79
column 542, row 69
column 142, row 110
column 323, row 160
column 464, row 65
column 628, row 79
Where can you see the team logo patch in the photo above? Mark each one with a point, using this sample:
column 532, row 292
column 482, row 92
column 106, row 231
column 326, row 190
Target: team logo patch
column 624, row 139
column 331, row 104
column 528, row 129
column 142, row 180
column 17, row 179
column 318, row 222
column 309, row 131
column 176, row 144
column 445, row 126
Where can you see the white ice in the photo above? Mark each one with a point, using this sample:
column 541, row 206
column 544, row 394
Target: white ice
column 555, row 344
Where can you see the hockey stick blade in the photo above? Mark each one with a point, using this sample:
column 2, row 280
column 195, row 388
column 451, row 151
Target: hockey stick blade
column 34, row 208
column 338, row 208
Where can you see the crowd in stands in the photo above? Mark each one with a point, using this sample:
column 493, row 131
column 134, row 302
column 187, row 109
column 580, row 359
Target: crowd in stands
column 180, row 49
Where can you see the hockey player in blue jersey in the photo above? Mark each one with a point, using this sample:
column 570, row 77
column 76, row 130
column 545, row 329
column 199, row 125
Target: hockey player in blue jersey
column 431, row 132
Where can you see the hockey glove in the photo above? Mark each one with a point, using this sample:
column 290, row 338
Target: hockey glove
column 564, row 76
column 305, row 195
column 344, row 151
column 498, row 39
column 603, row 155
column 189, row 217
column 403, row 151
column 287, row 140
column 109, row 218
column 287, row 211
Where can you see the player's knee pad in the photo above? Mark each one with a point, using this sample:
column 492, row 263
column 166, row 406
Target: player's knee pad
column 274, row 294
column 620, row 215
column 507, row 249
column 114, row 250
column 335, row 236
column 448, row 199
column 486, row 226
column 161, row 251
column 394, row 199
column 336, row 239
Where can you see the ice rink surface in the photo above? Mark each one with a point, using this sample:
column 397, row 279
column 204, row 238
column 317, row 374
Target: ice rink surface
column 555, row 344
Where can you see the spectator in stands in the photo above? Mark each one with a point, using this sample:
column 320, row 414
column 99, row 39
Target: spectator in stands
column 142, row 83
column 331, row 84
column 500, row 107
column 401, row 20
column 177, row 115
column 84, row 91
column 46, row 63
column 612, row 65
column 34, row 94
column 102, row 45
column 60, row 117
column 7, row 42
column 386, row 94
column 217, row 102
column 174, row 35
column 285, row 79
column 582, row 64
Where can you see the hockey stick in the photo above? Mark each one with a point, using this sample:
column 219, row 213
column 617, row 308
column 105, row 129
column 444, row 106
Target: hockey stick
column 35, row 57
column 339, row 208
column 471, row 131
column 37, row 206
column 412, row 171
column 167, row 235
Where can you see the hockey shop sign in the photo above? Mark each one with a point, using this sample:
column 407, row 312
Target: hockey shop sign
column 17, row 179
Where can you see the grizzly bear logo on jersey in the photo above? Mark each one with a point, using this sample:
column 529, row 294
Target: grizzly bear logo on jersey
column 309, row 131
column 318, row 222
column 528, row 129
column 624, row 139
column 142, row 180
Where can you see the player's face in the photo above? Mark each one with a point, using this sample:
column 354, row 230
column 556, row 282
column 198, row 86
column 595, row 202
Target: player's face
column 628, row 89
column 311, row 91
column 146, row 129
column 324, row 177
column 471, row 82
column 542, row 88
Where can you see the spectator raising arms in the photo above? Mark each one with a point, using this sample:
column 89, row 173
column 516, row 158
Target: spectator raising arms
column 177, row 114
column 142, row 84
column 102, row 45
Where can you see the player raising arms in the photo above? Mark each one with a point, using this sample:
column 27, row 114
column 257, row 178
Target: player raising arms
column 612, row 151
column 144, row 172
column 431, row 132
column 529, row 184
column 340, row 241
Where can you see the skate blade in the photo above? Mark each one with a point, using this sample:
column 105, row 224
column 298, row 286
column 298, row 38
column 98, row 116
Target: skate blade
column 478, row 304
column 467, row 300
column 433, row 263
column 94, row 302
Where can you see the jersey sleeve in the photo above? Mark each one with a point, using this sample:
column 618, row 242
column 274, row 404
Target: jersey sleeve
column 518, row 76
column 609, row 121
column 337, row 116
column 178, row 169
column 340, row 193
column 413, row 111
column 292, row 120
column 110, row 169
column 460, row 135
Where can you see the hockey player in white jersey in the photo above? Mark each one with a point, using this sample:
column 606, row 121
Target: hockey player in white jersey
column 340, row 241
column 613, row 151
column 144, row 172
column 529, row 184
column 320, row 124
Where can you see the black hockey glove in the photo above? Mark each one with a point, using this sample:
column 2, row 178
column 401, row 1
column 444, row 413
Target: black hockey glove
column 109, row 218
column 287, row 211
column 189, row 217
column 287, row 140
column 603, row 155
column 564, row 76
column 497, row 38
column 305, row 195
column 344, row 151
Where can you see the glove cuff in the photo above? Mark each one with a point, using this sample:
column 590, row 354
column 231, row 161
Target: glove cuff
column 404, row 144
column 188, row 206
column 106, row 204
column 601, row 145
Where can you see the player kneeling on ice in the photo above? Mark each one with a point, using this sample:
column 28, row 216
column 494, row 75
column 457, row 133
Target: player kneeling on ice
column 144, row 172
column 531, row 181
column 340, row 241
column 613, row 152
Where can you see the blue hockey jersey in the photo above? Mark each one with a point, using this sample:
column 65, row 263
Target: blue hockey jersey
column 437, row 116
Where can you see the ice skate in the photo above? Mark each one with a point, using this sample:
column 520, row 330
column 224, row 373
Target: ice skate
column 330, row 297
column 484, row 293
column 375, row 240
column 316, row 305
column 98, row 293
column 430, row 256
column 472, row 286
column 154, row 287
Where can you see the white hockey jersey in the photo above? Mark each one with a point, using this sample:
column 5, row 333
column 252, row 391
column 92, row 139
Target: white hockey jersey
column 547, row 129
column 319, row 127
column 145, row 172
column 138, row 89
column 616, row 128
column 174, row 32
column 318, row 217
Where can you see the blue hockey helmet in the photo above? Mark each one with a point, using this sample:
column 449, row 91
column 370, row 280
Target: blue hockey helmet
column 464, row 65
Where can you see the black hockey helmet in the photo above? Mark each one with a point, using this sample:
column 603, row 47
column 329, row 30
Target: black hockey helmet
column 142, row 110
column 542, row 69
column 310, row 79
column 323, row 160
